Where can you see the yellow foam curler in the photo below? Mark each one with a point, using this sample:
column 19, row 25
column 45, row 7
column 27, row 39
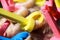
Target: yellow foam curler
column 19, row 0
column 37, row 15
column 40, row 2
column 57, row 2
column 27, row 24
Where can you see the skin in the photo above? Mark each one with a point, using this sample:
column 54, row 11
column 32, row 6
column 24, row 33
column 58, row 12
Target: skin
column 12, row 30
column 2, row 21
column 22, row 11
column 27, row 4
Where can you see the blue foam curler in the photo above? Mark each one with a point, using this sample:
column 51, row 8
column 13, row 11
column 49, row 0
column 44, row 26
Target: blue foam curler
column 19, row 36
column 4, row 38
column 22, row 35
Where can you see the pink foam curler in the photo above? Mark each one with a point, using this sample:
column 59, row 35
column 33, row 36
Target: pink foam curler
column 4, row 4
column 49, row 3
column 11, row 5
column 50, row 20
column 52, row 9
column 4, row 27
column 8, row 5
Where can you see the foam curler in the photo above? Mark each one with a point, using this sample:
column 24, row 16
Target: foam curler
column 22, row 35
column 8, row 5
column 19, row 0
column 27, row 4
column 27, row 24
column 57, row 2
column 49, row 3
column 52, row 23
column 38, row 16
column 40, row 2
column 4, row 4
column 4, row 38
column 52, row 9
column 19, row 36
column 3, row 27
